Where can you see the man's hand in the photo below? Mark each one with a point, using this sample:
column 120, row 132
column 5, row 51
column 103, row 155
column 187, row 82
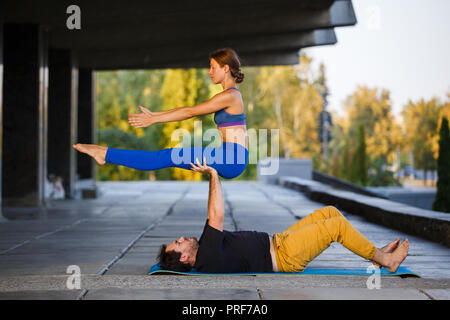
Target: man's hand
column 141, row 120
column 202, row 168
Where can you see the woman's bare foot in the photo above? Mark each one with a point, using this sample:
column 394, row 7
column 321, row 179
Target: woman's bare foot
column 390, row 247
column 96, row 152
column 396, row 258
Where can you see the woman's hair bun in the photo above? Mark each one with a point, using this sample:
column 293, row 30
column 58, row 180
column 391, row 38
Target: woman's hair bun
column 239, row 76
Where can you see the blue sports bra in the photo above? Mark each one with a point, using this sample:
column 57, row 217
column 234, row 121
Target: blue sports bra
column 225, row 119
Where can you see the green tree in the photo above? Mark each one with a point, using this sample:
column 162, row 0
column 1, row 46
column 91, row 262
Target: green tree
column 372, row 109
column 345, row 160
column 381, row 137
column 442, row 200
column 292, row 104
column 182, row 88
column 335, row 165
column 421, row 130
column 359, row 168
column 118, row 94
column 279, row 97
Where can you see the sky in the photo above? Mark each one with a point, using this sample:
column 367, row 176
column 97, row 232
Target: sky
column 399, row 45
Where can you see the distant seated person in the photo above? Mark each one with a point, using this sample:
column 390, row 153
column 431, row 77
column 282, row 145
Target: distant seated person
column 221, row 251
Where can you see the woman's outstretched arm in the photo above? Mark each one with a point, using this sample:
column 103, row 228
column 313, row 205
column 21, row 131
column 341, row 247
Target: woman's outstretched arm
column 146, row 119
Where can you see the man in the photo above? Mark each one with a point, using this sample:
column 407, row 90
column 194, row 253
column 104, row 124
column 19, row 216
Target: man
column 221, row 251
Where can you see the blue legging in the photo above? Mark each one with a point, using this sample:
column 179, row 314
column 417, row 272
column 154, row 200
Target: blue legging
column 229, row 160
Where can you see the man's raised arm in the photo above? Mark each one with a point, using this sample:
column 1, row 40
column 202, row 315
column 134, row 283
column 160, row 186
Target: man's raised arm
column 216, row 208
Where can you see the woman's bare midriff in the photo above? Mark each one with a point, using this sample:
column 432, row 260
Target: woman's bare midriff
column 236, row 134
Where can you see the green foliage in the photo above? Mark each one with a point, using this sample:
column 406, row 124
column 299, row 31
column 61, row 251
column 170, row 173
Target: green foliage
column 365, row 139
column 118, row 94
column 182, row 88
column 442, row 200
column 421, row 127
column 116, row 138
column 345, row 161
column 289, row 98
column 380, row 176
column 280, row 97
column 358, row 172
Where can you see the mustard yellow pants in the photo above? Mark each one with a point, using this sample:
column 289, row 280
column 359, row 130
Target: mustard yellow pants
column 307, row 238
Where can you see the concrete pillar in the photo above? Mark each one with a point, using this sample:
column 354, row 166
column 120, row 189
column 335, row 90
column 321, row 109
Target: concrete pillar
column 25, row 86
column 1, row 106
column 62, row 117
column 86, row 121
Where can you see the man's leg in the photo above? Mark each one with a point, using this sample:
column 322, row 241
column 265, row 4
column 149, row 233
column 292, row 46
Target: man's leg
column 305, row 240
column 318, row 214
column 390, row 247
column 329, row 212
column 298, row 246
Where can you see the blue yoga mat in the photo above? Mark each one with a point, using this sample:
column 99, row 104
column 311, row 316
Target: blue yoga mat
column 402, row 271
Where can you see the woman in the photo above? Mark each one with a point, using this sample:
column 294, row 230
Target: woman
column 229, row 160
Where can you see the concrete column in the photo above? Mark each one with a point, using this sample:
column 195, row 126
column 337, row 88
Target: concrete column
column 1, row 106
column 25, row 86
column 86, row 122
column 62, row 117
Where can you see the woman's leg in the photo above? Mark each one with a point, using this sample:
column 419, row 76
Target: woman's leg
column 229, row 160
column 93, row 150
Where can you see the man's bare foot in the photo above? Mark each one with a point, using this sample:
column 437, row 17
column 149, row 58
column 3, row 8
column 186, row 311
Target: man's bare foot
column 390, row 247
column 96, row 152
column 397, row 257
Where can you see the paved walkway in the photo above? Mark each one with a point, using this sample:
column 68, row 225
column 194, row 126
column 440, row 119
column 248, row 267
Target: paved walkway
column 115, row 239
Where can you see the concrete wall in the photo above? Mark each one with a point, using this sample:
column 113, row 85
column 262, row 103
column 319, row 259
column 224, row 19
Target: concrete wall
column 301, row 168
column 431, row 225
column 420, row 198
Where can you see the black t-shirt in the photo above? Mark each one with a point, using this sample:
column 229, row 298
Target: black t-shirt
column 233, row 252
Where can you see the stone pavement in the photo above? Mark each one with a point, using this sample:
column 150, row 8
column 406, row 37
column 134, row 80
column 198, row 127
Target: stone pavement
column 115, row 239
